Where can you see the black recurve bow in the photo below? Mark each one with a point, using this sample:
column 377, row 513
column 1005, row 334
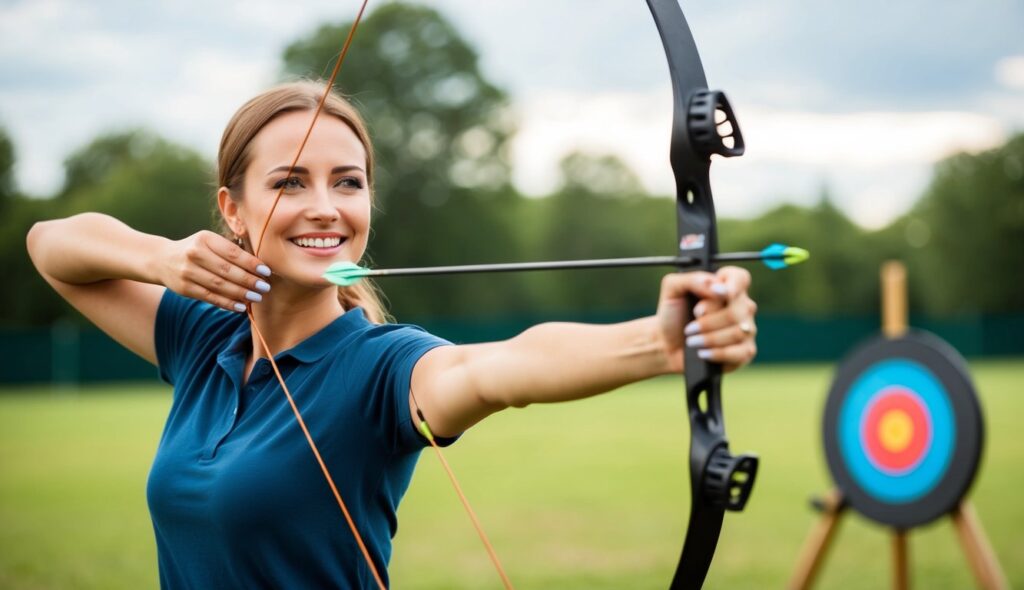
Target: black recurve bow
column 703, row 124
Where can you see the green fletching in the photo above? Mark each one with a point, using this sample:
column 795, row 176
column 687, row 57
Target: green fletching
column 793, row 255
column 426, row 430
column 779, row 256
column 345, row 273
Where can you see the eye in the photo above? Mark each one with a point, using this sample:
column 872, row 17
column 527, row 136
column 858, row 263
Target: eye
column 290, row 183
column 350, row 182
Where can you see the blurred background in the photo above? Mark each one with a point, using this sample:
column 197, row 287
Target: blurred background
column 534, row 130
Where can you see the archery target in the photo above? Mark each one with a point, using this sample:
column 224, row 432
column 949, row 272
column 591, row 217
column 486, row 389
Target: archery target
column 902, row 429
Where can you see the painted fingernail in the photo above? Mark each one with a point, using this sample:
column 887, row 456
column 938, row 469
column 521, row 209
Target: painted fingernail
column 262, row 285
column 263, row 269
column 698, row 310
column 704, row 353
column 720, row 289
column 692, row 327
column 695, row 341
column 253, row 296
column 240, row 307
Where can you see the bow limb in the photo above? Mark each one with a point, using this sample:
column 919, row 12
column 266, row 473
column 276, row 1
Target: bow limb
column 719, row 481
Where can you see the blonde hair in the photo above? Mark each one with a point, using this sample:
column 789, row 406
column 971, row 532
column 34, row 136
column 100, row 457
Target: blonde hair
column 235, row 155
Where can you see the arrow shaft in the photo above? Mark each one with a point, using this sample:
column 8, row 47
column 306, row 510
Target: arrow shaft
column 674, row 261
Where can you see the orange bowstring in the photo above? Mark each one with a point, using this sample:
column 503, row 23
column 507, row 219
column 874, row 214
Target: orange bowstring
column 425, row 429
column 263, row 342
column 291, row 402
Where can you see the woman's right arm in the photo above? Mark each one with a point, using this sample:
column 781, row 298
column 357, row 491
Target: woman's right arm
column 116, row 276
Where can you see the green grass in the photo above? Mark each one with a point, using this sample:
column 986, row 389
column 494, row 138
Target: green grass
column 590, row 494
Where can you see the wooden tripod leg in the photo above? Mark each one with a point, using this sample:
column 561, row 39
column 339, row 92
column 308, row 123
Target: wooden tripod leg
column 900, row 562
column 813, row 553
column 980, row 555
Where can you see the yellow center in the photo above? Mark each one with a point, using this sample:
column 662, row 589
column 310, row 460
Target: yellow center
column 895, row 430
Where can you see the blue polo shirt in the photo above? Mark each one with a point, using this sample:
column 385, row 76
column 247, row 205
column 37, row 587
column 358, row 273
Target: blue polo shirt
column 236, row 496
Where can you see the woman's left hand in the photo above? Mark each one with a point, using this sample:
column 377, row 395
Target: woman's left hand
column 724, row 329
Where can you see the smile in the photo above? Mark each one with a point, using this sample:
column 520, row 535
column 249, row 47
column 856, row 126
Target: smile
column 329, row 242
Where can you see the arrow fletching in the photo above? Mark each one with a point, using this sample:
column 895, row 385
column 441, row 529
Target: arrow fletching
column 345, row 274
column 779, row 256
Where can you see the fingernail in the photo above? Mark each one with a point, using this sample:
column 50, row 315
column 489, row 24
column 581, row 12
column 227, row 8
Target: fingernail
column 695, row 341
column 253, row 296
column 240, row 308
column 263, row 269
column 704, row 353
column 692, row 327
column 720, row 289
column 698, row 310
column 262, row 285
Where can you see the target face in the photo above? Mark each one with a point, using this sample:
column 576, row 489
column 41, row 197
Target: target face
column 902, row 429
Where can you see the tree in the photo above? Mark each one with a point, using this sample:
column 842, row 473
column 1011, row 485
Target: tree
column 7, row 159
column 967, row 233
column 440, row 132
column 143, row 180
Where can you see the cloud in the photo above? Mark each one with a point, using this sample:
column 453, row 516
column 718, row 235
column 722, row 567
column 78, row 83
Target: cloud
column 875, row 163
column 1010, row 72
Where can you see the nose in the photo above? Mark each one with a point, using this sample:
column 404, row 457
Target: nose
column 321, row 208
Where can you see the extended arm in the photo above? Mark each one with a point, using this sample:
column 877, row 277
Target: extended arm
column 457, row 387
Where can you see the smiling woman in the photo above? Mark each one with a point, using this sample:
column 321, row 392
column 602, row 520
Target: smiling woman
column 236, row 498
column 333, row 187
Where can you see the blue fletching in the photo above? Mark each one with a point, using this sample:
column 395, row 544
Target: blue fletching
column 773, row 256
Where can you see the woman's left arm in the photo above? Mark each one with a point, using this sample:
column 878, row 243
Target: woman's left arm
column 457, row 386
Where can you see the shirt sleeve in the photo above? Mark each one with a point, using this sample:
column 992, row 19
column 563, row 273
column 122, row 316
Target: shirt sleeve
column 182, row 326
column 397, row 351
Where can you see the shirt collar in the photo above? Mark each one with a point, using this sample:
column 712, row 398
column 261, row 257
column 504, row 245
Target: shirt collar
column 316, row 346
column 312, row 349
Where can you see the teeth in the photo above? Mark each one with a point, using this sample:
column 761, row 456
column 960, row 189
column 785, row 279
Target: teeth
column 317, row 242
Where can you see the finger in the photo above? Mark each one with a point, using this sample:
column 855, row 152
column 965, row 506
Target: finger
column 727, row 336
column 738, row 311
column 200, row 293
column 730, row 357
column 736, row 279
column 676, row 286
column 229, row 270
column 207, row 286
column 231, row 252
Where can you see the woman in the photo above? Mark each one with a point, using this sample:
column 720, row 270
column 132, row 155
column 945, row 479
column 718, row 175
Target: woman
column 237, row 499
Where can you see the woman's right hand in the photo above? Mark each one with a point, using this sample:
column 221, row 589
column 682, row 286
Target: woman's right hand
column 211, row 268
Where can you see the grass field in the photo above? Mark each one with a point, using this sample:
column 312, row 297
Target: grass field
column 590, row 494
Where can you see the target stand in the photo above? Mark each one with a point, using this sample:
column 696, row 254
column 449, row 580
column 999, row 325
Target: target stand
column 903, row 434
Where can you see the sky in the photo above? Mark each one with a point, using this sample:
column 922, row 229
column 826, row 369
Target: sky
column 860, row 98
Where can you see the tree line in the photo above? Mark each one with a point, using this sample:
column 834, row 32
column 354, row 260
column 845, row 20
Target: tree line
column 443, row 196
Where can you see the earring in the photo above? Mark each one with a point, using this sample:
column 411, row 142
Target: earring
column 239, row 241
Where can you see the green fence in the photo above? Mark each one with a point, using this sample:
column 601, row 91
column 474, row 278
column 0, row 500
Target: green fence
column 69, row 354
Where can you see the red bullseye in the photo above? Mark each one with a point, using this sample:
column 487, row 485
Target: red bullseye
column 896, row 430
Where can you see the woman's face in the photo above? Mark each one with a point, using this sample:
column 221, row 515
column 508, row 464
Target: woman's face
column 323, row 215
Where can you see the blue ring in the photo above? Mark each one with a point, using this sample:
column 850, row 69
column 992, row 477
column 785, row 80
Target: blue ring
column 925, row 475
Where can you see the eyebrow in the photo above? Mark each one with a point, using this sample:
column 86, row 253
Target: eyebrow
column 303, row 170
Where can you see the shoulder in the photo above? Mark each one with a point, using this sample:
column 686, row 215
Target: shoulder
column 186, row 319
column 187, row 329
column 375, row 352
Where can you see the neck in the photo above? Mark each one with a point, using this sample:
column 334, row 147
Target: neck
column 286, row 317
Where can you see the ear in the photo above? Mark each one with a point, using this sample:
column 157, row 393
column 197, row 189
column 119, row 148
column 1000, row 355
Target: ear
column 229, row 211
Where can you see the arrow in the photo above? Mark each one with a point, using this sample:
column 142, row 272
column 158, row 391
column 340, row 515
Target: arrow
column 775, row 257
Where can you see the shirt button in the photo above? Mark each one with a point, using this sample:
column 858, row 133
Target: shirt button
column 264, row 369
